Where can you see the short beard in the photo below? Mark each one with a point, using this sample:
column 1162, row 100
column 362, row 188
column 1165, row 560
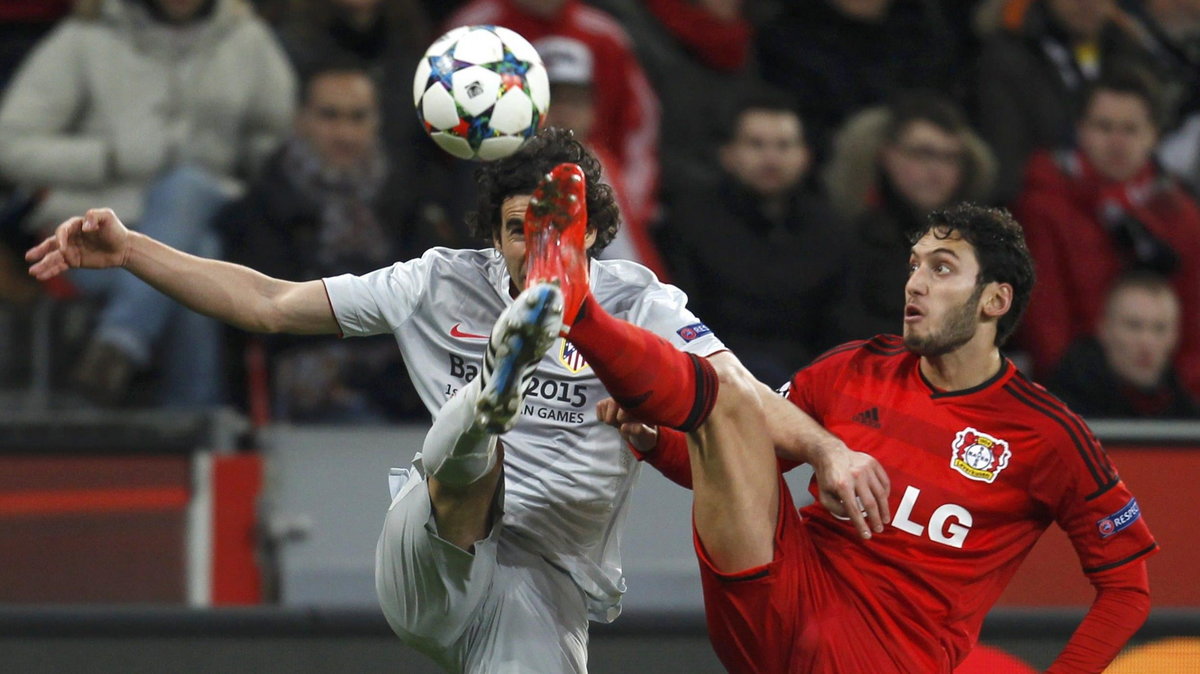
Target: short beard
column 960, row 327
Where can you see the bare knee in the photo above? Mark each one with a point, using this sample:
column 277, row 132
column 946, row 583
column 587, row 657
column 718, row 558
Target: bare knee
column 736, row 428
column 738, row 393
column 463, row 513
column 735, row 474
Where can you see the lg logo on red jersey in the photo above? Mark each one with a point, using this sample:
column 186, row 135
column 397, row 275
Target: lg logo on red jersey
column 948, row 525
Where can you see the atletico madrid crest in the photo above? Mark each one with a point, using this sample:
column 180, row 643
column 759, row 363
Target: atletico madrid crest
column 570, row 357
column 978, row 455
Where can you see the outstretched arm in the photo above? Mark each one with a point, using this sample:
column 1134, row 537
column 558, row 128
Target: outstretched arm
column 232, row 293
column 843, row 475
column 1121, row 606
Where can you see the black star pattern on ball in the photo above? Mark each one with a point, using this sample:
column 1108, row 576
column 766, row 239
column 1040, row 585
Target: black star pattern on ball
column 509, row 65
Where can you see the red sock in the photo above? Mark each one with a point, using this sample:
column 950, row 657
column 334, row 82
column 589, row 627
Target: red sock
column 644, row 373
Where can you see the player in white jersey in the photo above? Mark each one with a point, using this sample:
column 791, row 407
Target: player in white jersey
column 485, row 565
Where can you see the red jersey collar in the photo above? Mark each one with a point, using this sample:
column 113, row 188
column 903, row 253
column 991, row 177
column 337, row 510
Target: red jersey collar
column 1006, row 371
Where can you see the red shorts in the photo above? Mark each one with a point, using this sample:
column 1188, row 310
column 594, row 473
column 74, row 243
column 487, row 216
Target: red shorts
column 796, row 614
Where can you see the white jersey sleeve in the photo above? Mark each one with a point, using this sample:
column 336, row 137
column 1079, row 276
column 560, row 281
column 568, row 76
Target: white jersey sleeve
column 381, row 301
column 631, row 292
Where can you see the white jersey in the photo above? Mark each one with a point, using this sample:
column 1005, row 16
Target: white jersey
column 567, row 476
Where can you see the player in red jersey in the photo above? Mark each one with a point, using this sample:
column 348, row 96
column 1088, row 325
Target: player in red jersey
column 981, row 458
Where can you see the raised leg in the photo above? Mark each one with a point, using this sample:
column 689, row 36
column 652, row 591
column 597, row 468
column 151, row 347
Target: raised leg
column 734, row 470
column 460, row 454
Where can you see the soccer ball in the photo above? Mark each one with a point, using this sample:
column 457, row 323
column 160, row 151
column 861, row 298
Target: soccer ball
column 480, row 91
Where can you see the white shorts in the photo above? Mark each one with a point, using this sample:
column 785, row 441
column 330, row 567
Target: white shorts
column 499, row 610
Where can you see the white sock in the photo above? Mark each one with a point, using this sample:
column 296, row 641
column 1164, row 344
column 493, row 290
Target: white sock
column 455, row 451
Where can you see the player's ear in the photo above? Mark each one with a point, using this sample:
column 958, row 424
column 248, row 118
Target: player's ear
column 997, row 299
column 589, row 239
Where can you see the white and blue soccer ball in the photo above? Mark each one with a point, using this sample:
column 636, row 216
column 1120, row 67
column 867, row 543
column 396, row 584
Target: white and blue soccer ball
column 481, row 91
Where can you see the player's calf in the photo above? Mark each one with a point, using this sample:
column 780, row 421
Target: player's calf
column 644, row 373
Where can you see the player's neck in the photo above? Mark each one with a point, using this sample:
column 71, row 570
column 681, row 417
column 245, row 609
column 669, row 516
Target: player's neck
column 966, row 367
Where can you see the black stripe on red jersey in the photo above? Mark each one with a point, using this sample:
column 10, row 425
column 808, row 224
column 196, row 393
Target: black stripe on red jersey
column 882, row 350
column 1130, row 558
column 886, row 345
column 934, row 392
column 842, row 348
column 1098, row 454
column 888, row 339
column 1103, row 489
column 1103, row 480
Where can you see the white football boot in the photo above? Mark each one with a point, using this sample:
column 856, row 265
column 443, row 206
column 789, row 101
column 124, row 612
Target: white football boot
column 519, row 339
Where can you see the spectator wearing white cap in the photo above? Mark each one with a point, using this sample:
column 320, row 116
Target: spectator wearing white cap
column 569, row 67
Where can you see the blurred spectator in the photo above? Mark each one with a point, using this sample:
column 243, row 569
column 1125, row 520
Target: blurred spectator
column 963, row 18
column 439, row 10
column 271, row 11
column 714, row 32
column 840, row 56
column 891, row 167
column 327, row 203
column 15, row 285
column 626, row 125
column 385, row 38
column 1101, row 208
column 693, row 51
column 758, row 254
column 1170, row 31
column 1032, row 72
column 17, row 288
column 1125, row 369
column 569, row 69
column 370, row 31
column 22, row 25
column 153, row 108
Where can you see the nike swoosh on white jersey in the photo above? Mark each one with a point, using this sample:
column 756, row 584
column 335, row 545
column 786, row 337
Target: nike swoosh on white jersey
column 455, row 332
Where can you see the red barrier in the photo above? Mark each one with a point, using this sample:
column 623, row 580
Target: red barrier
column 90, row 529
column 236, row 484
column 1164, row 481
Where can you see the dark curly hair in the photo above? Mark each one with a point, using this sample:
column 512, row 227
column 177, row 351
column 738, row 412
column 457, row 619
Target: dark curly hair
column 999, row 244
column 520, row 172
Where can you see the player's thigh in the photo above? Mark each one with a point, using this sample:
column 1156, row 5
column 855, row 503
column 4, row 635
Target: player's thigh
column 753, row 615
column 796, row 614
column 735, row 473
column 534, row 619
column 428, row 588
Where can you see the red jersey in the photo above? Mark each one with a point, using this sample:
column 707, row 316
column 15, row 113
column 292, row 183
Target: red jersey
column 976, row 476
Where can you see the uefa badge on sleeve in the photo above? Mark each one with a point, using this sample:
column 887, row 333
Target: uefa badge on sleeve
column 1114, row 523
column 694, row 331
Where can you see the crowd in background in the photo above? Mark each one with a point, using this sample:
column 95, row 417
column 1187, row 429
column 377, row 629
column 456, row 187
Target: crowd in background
column 770, row 158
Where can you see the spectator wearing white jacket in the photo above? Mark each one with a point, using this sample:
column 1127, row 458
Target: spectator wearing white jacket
column 156, row 108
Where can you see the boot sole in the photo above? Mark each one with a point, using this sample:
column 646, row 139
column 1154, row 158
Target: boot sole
column 521, row 346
